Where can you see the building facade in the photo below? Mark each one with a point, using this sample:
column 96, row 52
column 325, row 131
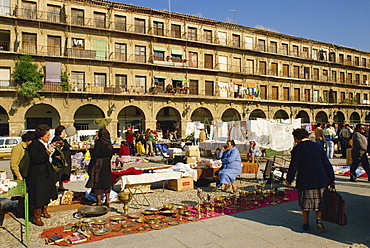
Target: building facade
column 153, row 69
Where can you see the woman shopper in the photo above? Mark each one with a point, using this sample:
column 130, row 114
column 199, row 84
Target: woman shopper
column 314, row 175
column 41, row 175
column 62, row 158
column 149, row 143
column 99, row 170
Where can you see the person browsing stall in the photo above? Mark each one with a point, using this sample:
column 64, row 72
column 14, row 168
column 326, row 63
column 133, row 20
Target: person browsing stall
column 231, row 166
column 314, row 174
column 359, row 150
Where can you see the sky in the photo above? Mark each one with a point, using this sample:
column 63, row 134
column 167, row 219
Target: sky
column 341, row 22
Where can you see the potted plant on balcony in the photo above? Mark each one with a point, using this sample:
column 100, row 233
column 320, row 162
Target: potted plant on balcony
column 65, row 82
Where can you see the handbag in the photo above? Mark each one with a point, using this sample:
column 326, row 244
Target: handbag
column 334, row 207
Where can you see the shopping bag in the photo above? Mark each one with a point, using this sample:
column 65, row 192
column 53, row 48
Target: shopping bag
column 334, row 207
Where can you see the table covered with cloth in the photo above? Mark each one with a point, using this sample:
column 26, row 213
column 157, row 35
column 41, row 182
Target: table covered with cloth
column 157, row 176
column 213, row 145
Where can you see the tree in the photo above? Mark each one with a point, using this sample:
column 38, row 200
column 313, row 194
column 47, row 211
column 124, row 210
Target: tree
column 28, row 76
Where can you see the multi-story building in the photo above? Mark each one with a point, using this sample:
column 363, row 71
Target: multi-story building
column 151, row 68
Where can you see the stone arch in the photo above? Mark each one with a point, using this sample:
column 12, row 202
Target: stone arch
column 339, row 117
column 4, row 122
column 231, row 114
column 168, row 119
column 321, row 117
column 355, row 118
column 257, row 113
column 202, row 115
column 41, row 114
column 367, row 117
column 281, row 114
column 130, row 116
column 85, row 115
column 303, row 115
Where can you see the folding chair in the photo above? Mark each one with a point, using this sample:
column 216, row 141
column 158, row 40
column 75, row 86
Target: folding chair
column 266, row 173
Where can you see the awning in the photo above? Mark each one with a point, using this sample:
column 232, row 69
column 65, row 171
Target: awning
column 53, row 72
column 177, row 79
column 238, row 83
column 160, row 77
column 159, row 49
column 176, row 51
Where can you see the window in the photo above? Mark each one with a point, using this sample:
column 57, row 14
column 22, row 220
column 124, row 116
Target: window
column 99, row 20
column 237, row 64
column 295, row 51
column 306, row 72
column 78, row 81
column 275, row 93
column 100, row 79
column 222, row 63
column 297, row 94
column 29, row 10
column 363, row 64
column 286, row 94
column 209, row 88
column 305, row 54
column 262, row 67
column 77, row 17
column 29, row 43
column 315, row 54
column 140, row 84
column 120, row 22
column 100, row 48
column 325, row 75
column 158, row 55
column 176, row 55
column 249, row 66
column 208, row 36
column 332, row 57
column 263, row 92
column 159, row 83
column 54, row 14
column 121, row 52
column 140, row 26
column 5, row 8
column 315, row 96
column 307, row 95
column 236, row 40
column 158, row 28
column 342, row 97
column 248, row 42
column 194, row 87
column 333, row 98
column 4, row 76
column 349, row 60
column 357, row 61
column 121, row 82
column 140, row 54
column 296, row 71
column 193, row 59
column 222, row 38
column 284, row 49
column 177, row 83
column 192, row 33
column 325, row 96
column 334, row 76
column 285, row 70
column 323, row 55
column 175, row 31
column 350, row 97
column 273, row 46
column 341, row 77
column 261, row 45
column 316, row 74
column 349, row 78
column 274, row 69
column 357, row 79
column 364, row 80
column 341, row 59
column 366, row 98
column 54, row 45
column 208, row 61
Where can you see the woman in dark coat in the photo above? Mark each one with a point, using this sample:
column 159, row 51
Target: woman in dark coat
column 41, row 175
column 62, row 161
column 314, row 175
column 100, row 174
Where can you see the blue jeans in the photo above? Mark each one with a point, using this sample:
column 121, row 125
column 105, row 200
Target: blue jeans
column 343, row 143
column 329, row 149
column 356, row 160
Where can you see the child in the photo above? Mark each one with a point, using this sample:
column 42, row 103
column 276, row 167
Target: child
column 123, row 154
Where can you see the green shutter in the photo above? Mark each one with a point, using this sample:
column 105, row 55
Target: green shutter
column 159, row 49
column 176, row 51
column 100, row 46
column 160, row 77
column 177, row 79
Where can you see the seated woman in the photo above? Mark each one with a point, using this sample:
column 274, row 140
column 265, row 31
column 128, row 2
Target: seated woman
column 254, row 150
column 231, row 166
column 123, row 154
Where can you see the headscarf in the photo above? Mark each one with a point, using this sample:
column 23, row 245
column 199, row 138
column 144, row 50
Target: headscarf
column 104, row 136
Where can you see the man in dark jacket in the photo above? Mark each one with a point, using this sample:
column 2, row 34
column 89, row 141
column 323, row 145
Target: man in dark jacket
column 359, row 150
column 344, row 136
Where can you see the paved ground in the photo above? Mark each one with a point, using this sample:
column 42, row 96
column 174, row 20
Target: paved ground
column 274, row 226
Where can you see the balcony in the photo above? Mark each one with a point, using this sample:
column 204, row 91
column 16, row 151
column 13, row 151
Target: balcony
column 81, row 53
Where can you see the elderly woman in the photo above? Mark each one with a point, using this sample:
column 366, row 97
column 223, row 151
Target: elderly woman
column 41, row 175
column 314, row 175
column 231, row 166
column 100, row 174
column 62, row 158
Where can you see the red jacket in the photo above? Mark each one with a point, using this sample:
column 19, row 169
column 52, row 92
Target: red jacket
column 124, row 151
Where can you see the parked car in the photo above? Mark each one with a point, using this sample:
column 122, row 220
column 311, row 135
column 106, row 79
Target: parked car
column 7, row 143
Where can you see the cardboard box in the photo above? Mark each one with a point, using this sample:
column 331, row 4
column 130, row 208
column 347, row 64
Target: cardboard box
column 191, row 160
column 192, row 151
column 181, row 184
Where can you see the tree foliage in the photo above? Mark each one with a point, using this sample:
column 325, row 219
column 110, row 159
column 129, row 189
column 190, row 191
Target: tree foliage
column 28, row 76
